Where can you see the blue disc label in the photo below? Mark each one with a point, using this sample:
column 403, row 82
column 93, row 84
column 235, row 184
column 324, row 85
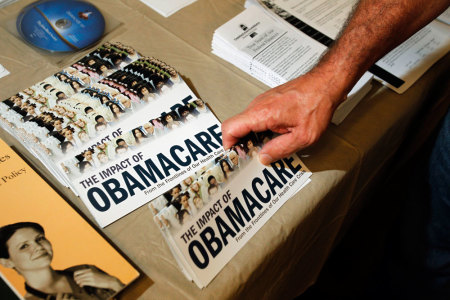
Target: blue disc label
column 61, row 25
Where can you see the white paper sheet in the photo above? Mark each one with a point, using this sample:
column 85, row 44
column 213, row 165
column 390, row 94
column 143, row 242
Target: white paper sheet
column 167, row 7
column 3, row 71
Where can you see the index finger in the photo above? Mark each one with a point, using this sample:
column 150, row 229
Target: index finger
column 238, row 126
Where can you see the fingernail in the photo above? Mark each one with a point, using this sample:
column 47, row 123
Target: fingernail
column 265, row 159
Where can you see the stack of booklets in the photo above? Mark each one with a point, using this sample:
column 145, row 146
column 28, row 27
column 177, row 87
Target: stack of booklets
column 122, row 130
column 278, row 40
column 44, row 235
column 209, row 215
column 104, row 127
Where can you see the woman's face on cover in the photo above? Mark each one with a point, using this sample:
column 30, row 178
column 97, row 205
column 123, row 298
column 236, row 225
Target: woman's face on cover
column 75, row 85
column 17, row 101
column 102, row 157
column 225, row 166
column 88, row 155
column 68, row 135
column 29, row 250
column 115, row 108
column 28, row 91
column 175, row 192
column 188, row 181
column 184, row 201
column 84, row 137
column 30, row 110
column 198, row 202
column 61, row 110
column 70, row 114
column 169, row 119
column 80, row 123
column 137, row 133
column 195, row 187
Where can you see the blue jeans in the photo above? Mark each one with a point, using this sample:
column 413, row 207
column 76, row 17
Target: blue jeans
column 437, row 261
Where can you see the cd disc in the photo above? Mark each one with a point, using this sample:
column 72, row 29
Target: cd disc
column 61, row 26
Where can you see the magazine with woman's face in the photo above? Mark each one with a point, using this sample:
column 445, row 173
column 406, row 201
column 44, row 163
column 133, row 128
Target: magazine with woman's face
column 47, row 250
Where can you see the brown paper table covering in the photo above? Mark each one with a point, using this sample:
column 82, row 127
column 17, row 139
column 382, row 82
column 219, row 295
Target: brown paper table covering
column 286, row 255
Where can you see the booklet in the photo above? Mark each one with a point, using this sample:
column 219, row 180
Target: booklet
column 125, row 173
column 323, row 20
column 209, row 215
column 38, row 223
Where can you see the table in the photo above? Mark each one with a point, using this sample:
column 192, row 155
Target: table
column 285, row 257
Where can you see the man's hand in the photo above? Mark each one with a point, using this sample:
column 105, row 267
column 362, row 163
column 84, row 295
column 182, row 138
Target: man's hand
column 300, row 110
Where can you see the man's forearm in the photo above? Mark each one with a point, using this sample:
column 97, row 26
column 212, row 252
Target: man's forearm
column 376, row 27
column 301, row 109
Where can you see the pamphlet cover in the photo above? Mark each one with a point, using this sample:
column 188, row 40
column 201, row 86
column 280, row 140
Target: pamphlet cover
column 43, row 237
column 211, row 213
column 140, row 167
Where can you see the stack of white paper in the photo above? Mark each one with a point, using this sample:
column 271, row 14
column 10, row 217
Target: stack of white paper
column 275, row 53
column 269, row 51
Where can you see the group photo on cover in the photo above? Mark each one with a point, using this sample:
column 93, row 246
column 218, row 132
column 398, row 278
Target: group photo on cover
column 184, row 201
column 134, row 139
column 70, row 108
